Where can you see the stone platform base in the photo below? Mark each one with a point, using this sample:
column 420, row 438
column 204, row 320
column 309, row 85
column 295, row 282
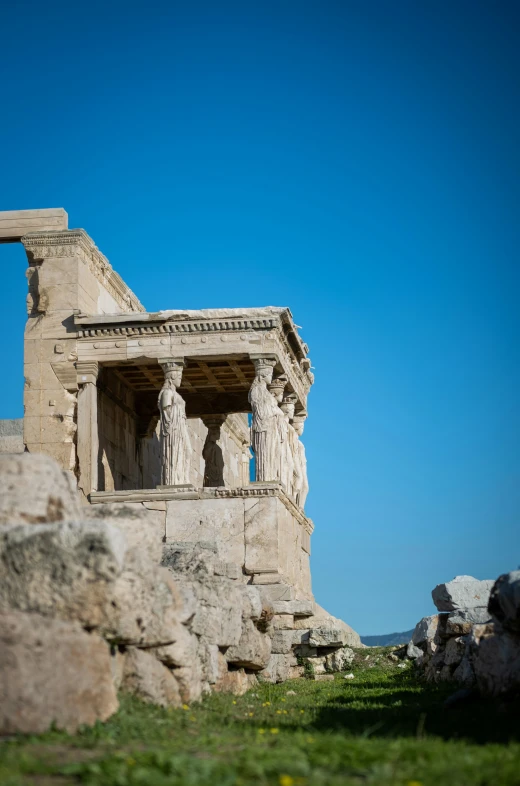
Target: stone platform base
column 257, row 527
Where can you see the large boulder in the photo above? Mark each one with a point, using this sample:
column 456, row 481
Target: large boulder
column 85, row 573
column 146, row 677
column 504, row 601
column 496, row 660
column 463, row 592
column 425, row 629
column 321, row 619
column 143, row 528
column 281, row 668
column 35, row 490
column 52, row 673
column 253, row 649
column 61, row 570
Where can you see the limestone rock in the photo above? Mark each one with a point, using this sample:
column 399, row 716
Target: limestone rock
column 283, row 641
column 339, row 660
column 218, row 615
column 425, row 629
column 464, row 672
column 460, row 623
column 253, row 649
column 463, row 592
column 282, row 622
column 64, row 570
column 252, row 604
column 279, row 668
column 236, row 681
column 52, row 673
column 181, row 652
column 413, row 652
column 145, row 606
column 454, row 651
column 143, row 528
column 299, row 608
column 35, row 490
column 146, row 677
column 327, row 637
column 504, row 601
column 322, row 619
column 496, row 661
column 83, row 572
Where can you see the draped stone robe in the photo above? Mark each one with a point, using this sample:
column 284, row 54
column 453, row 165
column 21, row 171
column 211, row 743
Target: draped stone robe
column 265, row 431
column 175, row 439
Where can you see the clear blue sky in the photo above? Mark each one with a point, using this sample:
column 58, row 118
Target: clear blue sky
column 356, row 161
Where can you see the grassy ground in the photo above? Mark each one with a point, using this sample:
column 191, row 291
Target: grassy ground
column 383, row 728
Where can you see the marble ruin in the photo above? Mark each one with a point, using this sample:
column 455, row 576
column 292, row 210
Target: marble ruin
column 193, row 416
column 152, row 408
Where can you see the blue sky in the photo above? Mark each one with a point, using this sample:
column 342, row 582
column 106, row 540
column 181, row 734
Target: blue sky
column 356, row 161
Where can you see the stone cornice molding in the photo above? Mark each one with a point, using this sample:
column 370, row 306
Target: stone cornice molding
column 150, row 325
column 77, row 243
column 269, row 490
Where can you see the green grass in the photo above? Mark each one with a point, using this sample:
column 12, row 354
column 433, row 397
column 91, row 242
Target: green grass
column 384, row 728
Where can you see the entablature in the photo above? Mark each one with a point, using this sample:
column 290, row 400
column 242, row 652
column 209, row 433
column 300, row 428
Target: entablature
column 218, row 346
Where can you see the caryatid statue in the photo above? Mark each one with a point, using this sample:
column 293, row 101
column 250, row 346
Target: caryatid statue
column 265, row 428
column 301, row 484
column 175, row 439
column 287, row 464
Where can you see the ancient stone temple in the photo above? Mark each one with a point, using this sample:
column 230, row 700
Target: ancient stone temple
column 196, row 415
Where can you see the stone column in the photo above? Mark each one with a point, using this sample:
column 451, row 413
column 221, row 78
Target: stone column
column 212, row 452
column 175, row 439
column 87, row 433
column 265, row 432
column 287, row 464
column 301, row 484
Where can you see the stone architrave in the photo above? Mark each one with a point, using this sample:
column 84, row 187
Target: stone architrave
column 265, row 428
column 212, row 452
column 87, row 434
column 175, row 439
column 301, row 483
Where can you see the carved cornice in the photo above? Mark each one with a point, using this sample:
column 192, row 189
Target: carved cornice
column 298, row 363
column 205, row 326
column 76, row 243
column 271, row 490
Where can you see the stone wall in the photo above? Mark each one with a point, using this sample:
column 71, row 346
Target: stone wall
column 67, row 274
column 11, row 436
column 92, row 591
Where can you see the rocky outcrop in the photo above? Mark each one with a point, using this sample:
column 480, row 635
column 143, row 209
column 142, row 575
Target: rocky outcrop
column 88, row 609
column 463, row 592
column 476, row 645
column 496, row 646
column 314, row 644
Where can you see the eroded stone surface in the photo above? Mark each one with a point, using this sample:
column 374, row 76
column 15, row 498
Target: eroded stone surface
column 463, row 592
column 35, row 491
column 66, row 570
column 52, row 673
column 504, row 601
column 147, row 678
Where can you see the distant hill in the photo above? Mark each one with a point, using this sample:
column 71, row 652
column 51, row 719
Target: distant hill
column 388, row 639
